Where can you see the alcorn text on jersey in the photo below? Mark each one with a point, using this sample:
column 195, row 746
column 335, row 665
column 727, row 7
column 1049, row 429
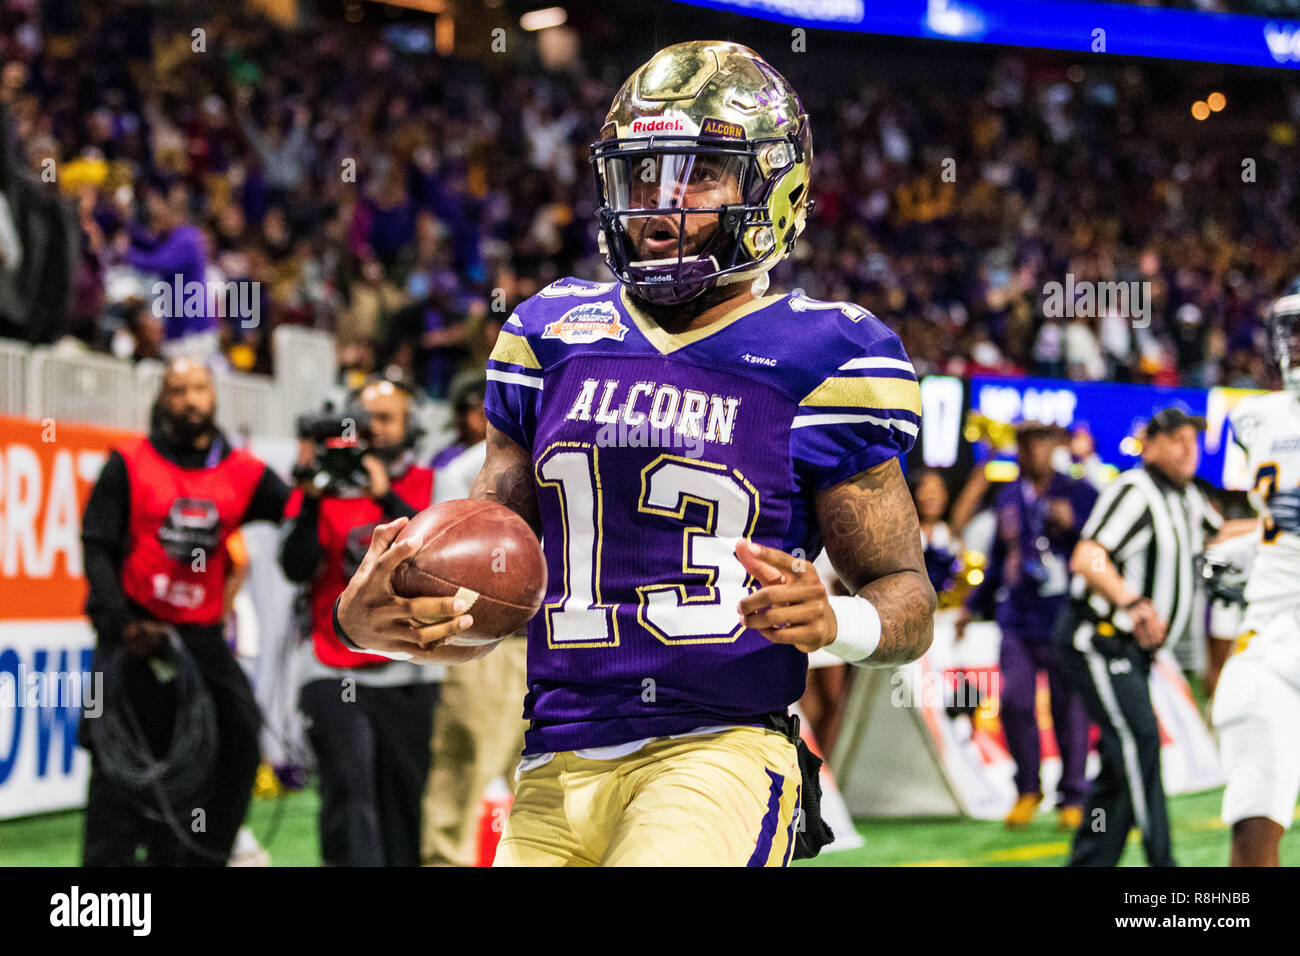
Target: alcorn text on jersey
column 653, row 453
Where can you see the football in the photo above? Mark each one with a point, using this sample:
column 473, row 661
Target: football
column 483, row 552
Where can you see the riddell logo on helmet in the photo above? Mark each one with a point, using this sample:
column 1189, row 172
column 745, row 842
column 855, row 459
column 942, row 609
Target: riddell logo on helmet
column 657, row 125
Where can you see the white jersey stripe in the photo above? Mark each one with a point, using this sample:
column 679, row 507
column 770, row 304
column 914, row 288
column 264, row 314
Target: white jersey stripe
column 804, row 421
column 514, row 378
column 877, row 362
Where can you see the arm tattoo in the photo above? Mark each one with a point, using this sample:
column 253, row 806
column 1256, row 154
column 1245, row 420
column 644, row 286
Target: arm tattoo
column 507, row 478
column 873, row 539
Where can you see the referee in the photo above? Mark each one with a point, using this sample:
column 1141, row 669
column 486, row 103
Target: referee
column 1133, row 592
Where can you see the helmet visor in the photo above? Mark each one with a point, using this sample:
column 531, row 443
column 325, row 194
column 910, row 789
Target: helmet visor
column 669, row 203
column 661, row 180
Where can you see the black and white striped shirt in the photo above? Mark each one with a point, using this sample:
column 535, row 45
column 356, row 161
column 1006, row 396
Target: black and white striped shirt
column 1152, row 532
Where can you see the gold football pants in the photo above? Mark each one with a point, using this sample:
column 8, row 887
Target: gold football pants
column 722, row 799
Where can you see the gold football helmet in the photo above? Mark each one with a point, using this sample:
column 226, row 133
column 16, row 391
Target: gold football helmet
column 702, row 169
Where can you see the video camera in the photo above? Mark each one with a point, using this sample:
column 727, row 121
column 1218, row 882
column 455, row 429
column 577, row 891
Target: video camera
column 341, row 438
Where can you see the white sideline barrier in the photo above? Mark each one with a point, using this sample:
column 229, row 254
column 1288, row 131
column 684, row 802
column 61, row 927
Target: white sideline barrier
column 248, row 405
column 90, row 388
column 82, row 387
column 15, row 361
column 306, row 365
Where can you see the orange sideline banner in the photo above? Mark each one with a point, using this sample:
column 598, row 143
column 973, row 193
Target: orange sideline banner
column 47, row 470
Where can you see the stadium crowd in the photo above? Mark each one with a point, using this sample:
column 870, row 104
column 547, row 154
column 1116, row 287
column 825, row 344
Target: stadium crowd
column 407, row 200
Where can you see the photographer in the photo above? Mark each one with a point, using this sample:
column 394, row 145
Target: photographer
column 370, row 717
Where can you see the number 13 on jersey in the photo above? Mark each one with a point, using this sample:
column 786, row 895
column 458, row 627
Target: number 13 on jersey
column 702, row 509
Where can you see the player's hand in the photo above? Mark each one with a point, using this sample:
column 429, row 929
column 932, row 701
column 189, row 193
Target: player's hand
column 375, row 617
column 1060, row 514
column 379, row 483
column 792, row 606
column 142, row 637
column 305, row 469
column 959, row 626
column 1148, row 627
column 1284, row 510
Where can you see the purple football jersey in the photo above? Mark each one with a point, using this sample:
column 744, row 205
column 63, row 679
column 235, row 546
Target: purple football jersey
column 653, row 453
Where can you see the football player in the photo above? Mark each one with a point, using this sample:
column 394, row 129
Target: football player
column 1257, row 702
column 686, row 444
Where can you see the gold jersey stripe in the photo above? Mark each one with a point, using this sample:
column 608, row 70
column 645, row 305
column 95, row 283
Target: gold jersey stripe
column 514, row 350
column 868, row 392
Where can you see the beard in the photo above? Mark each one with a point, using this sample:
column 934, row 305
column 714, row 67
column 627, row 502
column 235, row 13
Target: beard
column 388, row 453
column 186, row 430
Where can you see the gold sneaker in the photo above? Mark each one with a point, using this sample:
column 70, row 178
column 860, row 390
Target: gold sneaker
column 1069, row 818
column 1022, row 814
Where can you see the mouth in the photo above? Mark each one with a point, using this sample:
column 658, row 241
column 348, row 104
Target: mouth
column 659, row 239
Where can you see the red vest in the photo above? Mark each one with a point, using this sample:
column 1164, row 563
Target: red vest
column 344, row 530
column 176, row 561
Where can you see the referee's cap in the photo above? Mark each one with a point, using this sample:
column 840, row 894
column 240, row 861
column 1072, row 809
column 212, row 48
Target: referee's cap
column 1171, row 419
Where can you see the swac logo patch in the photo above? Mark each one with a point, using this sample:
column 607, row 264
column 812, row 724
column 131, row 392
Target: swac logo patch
column 716, row 127
column 587, row 323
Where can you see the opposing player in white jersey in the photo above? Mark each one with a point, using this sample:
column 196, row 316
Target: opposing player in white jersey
column 1257, row 702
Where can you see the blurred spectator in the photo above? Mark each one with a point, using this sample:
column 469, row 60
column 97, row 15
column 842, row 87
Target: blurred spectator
column 1025, row 587
column 174, row 254
column 466, row 399
column 942, row 550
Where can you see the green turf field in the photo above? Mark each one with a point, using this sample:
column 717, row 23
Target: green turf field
column 289, row 824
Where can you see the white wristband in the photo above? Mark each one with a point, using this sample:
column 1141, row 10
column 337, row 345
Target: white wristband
column 857, row 628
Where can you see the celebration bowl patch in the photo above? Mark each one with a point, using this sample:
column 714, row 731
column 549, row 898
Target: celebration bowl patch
column 587, row 323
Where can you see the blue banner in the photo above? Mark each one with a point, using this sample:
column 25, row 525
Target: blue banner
column 1114, row 414
column 1071, row 25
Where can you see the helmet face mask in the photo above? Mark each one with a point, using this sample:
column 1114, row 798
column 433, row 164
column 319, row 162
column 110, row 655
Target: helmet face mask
column 702, row 172
column 675, row 213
